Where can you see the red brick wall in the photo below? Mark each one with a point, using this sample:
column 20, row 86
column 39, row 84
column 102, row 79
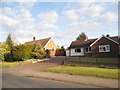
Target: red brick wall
column 60, row 53
column 114, row 48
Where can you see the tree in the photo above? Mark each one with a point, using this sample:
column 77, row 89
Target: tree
column 3, row 50
column 82, row 37
column 22, row 52
column 38, row 51
column 60, row 48
column 10, row 43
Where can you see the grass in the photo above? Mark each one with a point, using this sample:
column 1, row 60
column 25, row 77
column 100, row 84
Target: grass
column 85, row 71
column 94, row 60
column 11, row 64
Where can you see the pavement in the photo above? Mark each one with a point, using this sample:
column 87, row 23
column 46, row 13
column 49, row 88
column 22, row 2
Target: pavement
column 15, row 81
column 33, row 70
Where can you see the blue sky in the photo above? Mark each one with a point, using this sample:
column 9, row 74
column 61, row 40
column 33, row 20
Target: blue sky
column 63, row 21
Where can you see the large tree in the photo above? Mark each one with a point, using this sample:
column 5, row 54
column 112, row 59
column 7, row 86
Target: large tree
column 82, row 36
column 10, row 43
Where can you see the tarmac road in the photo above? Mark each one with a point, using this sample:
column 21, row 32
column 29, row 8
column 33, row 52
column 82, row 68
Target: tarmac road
column 13, row 81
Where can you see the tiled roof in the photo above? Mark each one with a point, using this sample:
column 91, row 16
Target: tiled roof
column 88, row 42
column 115, row 38
column 81, row 43
column 43, row 42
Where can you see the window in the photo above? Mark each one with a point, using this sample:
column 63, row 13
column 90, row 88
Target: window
column 88, row 49
column 104, row 48
column 78, row 50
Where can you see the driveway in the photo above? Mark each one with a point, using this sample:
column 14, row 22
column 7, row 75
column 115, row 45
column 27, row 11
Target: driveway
column 52, row 62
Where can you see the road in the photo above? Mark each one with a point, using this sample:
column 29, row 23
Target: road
column 13, row 81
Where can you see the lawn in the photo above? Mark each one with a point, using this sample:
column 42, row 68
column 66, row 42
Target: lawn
column 94, row 60
column 11, row 64
column 85, row 71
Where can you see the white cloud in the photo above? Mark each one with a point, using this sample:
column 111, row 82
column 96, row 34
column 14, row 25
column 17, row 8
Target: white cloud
column 46, row 26
column 109, row 17
column 9, row 23
column 24, row 36
column 92, row 10
column 76, row 28
column 25, row 17
column 49, row 17
column 8, row 11
column 72, row 15
column 26, row 4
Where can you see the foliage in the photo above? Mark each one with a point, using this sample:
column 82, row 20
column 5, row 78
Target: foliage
column 60, row 48
column 10, row 42
column 82, row 37
column 38, row 51
column 3, row 50
column 85, row 71
column 22, row 52
column 8, row 57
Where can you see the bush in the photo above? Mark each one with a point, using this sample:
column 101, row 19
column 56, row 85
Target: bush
column 38, row 52
column 3, row 50
column 8, row 57
column 22, row 52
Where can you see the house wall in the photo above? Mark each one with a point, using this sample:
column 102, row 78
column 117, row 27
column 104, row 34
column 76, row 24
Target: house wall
column 67, row 52
column 88, row 54
column 114, row 51
column 73, row 53
column 51, row 45
column 59, row 53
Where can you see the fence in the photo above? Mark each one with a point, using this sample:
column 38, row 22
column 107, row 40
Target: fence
column 92, row 61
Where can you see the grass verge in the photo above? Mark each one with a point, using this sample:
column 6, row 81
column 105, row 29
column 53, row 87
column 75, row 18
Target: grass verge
column 11, row 64
column 85, row 71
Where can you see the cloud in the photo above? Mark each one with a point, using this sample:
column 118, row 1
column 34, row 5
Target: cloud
column 26, row 5
column 109, row 17
column 8, row 11
column 92, row 11
column 71, row 15
column 25, row 17
column 49, row 17
column 9, row 23
column 46, row 26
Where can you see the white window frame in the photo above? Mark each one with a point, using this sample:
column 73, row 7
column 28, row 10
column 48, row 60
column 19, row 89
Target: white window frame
column 88, row 50
column 77, row 48
column 104, row 46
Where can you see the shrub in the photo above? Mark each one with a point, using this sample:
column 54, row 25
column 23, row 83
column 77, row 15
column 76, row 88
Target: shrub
column 38, row 52
column 8, row 57
column 22, row 52
column 3, row 50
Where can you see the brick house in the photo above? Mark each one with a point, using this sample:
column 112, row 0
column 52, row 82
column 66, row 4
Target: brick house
column 103, row 46
column 47, row 43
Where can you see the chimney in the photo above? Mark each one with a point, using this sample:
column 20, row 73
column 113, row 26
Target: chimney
column 34, row 38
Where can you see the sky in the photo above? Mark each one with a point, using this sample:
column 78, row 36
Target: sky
column 63, row 21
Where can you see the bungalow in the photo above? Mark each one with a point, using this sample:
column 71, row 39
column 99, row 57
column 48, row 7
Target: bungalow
column 47, row 43
column 103, row 46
